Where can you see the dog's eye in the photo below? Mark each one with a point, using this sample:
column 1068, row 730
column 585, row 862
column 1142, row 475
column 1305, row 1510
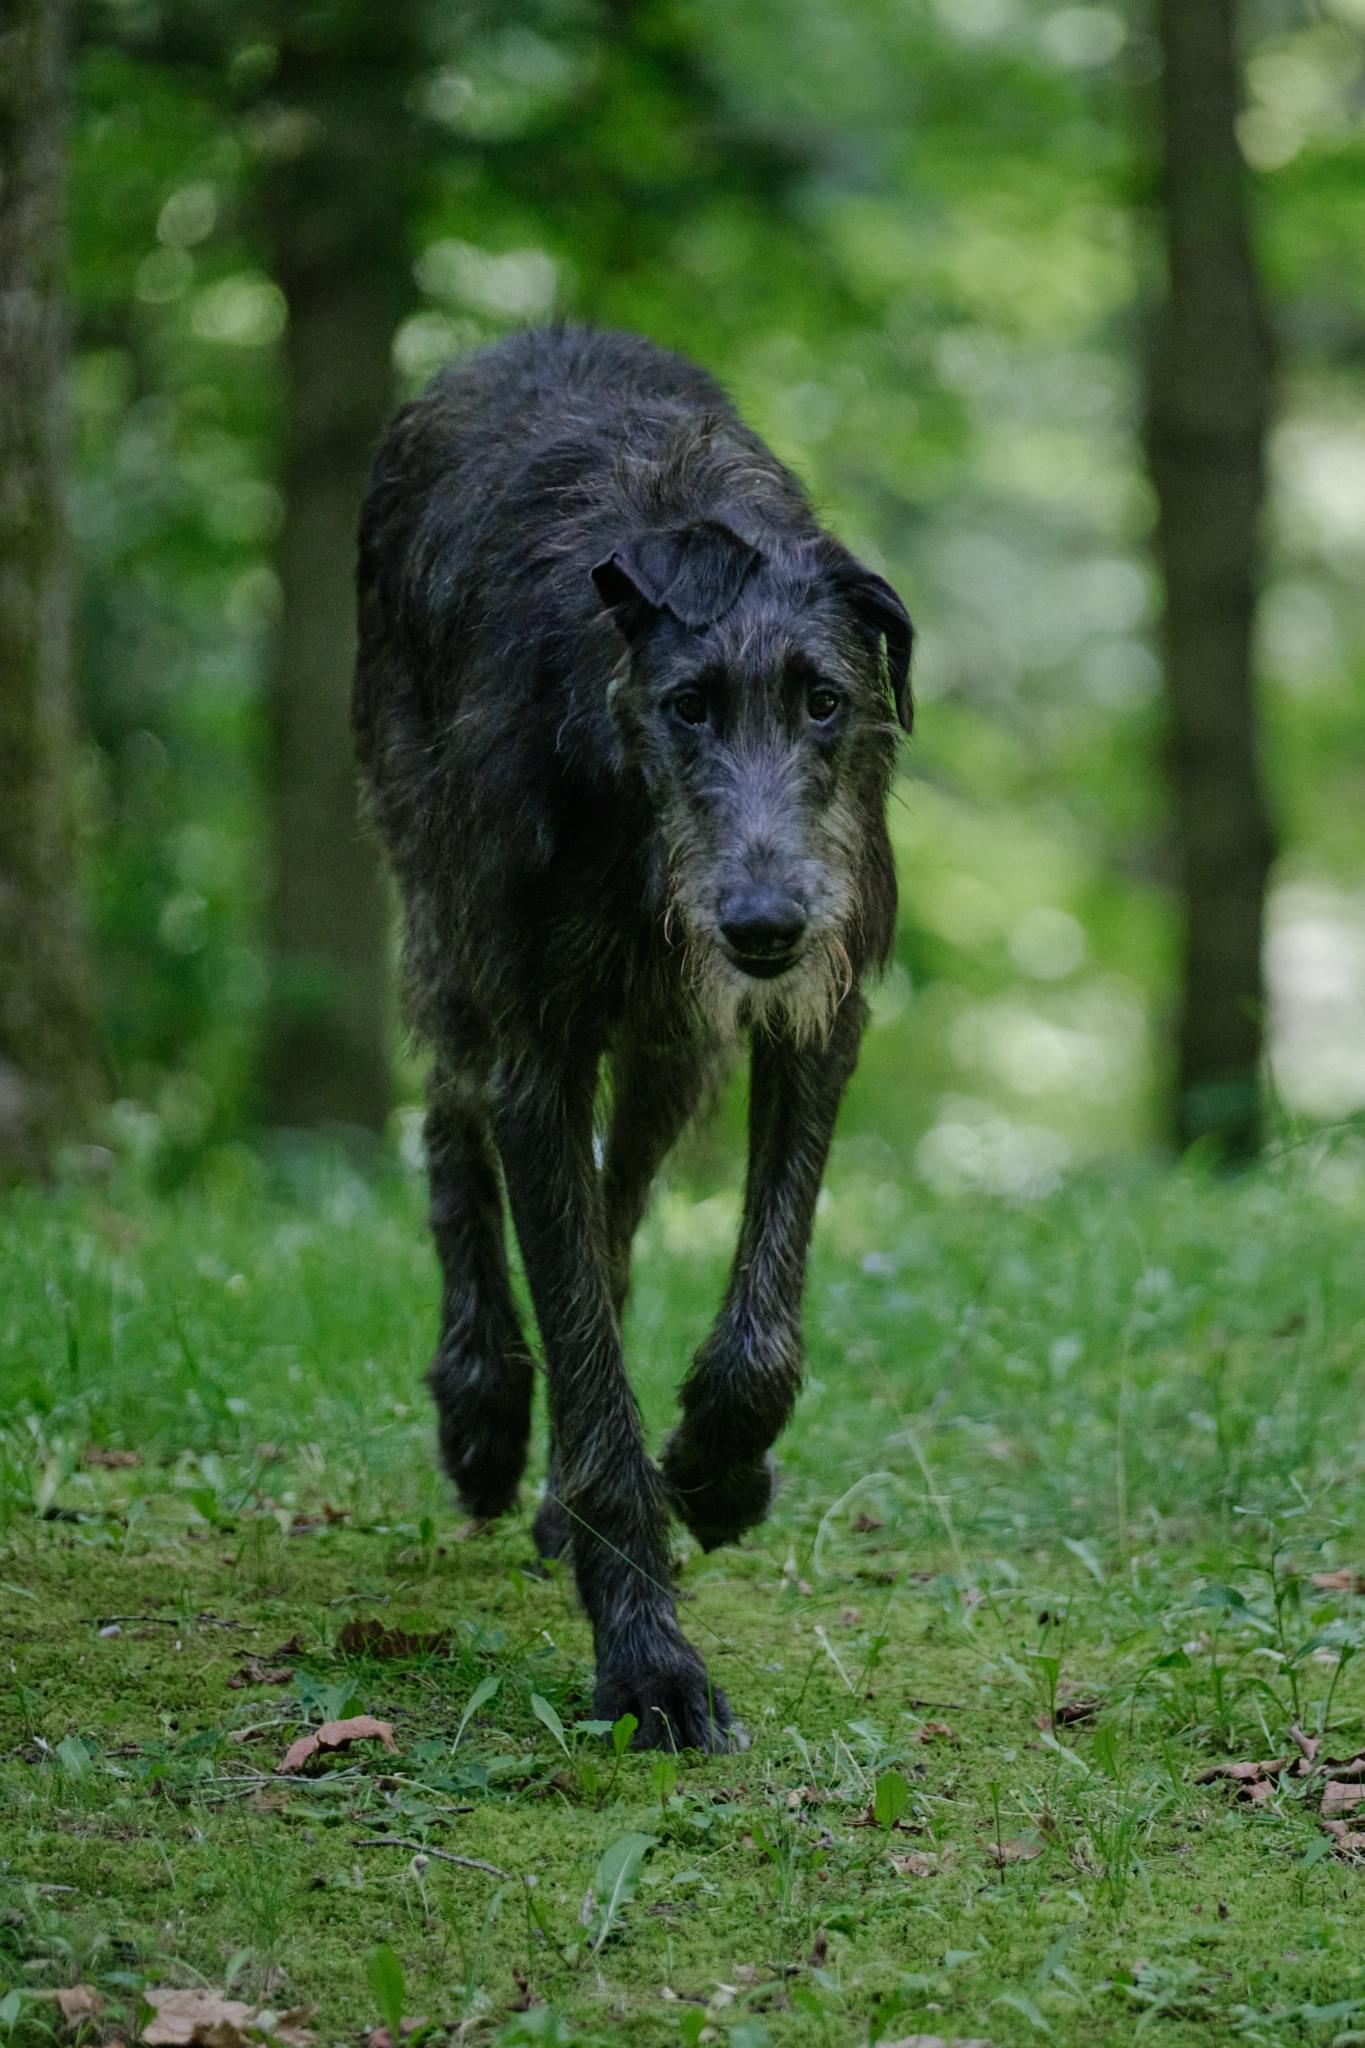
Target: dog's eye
column 821, row 704
column 689, row 706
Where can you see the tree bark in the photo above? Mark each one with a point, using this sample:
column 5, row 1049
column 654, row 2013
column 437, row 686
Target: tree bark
column 334, row 206
column 47, row 1067
column 1210, row 378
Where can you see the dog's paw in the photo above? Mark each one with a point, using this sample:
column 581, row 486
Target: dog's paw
column 486, row 1468
column 674, row 1703
column 483, row 1422
column 719, row 1504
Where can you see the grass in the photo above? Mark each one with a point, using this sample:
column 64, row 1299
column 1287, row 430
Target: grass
column 1086, row 1447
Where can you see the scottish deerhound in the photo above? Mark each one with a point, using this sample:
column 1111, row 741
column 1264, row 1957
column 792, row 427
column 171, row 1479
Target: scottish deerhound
column 624, row 710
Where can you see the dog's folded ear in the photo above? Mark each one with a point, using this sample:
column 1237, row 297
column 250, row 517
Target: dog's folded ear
column 882, row 615
column 695, row 572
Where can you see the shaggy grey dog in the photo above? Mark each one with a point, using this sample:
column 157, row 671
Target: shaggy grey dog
column 627, row 716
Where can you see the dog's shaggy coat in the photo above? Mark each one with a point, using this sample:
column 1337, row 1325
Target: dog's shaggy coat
column 626, row 714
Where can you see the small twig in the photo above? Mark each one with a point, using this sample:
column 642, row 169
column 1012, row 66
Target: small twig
column 424, row 1849
column 155, row 1620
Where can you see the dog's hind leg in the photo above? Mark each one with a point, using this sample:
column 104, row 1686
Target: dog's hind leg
column 743, row 1382
column 481, row 1375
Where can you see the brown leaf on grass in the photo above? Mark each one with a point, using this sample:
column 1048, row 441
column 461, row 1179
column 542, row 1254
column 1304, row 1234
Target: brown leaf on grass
column 207, row 2019
column 924, row 1863
column 101, row 1457
column 374, row 1639
column 1344, row 1767
column 253, row 1672
column 335, row 1735
column 293, row 1648
column 1346, row 1580
column 1019, row 1849
column 1069, row 1714
column 1343, row 1778
column 863, row 1524
column 1307, row 1746
column 868, row 1819
column 380, row 2037
column 327, row 1519
column 78, row 2002
column 1350, row 1843
column 1254, row 1781
column 936, row 1731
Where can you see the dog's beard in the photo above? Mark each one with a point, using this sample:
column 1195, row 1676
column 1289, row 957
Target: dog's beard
column 799, row 1004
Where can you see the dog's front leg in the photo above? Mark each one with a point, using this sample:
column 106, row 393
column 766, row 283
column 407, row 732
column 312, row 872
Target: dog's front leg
column 612, row 1494
column 743, row 1382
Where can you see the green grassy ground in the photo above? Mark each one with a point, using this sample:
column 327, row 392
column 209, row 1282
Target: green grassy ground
column 1086, row 1448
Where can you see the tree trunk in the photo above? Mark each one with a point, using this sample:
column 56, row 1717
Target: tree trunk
column 46, row 1054
column 1209, row 400
column 334, row 206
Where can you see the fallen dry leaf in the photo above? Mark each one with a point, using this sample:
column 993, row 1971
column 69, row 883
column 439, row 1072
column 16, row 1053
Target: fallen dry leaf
column 380, row 2037
column 1344, row 1767
column 328, row 1519
column 1342, row 1779
column 374, row 1639
column 1069, row 1713
column 1346, row 1580
column 100, row 1456
column 209, row 2020
column 1350, row 1842
column 868, row 1819
column 335, row 1735
column 936, row 1731
column 1308, row 1745
column 863, row 1524
column 1018, row 1850
column 253, row 1672
column 1245, row 1776
column 79, row 2002
column 923, row 1863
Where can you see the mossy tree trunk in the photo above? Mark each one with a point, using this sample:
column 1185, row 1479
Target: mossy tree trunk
column 334, row 207
column 1209, row 401
column 46, row 1059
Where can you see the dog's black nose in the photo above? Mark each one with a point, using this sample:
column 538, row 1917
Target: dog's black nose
column 761, row 923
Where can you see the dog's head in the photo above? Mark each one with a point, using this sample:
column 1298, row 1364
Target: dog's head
column 759, row 697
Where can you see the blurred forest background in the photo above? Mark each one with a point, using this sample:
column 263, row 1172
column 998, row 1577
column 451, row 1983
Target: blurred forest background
column 930, row 247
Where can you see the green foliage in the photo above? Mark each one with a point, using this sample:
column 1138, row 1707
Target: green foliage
column 1100, row 1447
column 384, row 1974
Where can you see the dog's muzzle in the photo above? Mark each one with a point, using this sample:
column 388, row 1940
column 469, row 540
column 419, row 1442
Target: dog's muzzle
column 763, row 929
